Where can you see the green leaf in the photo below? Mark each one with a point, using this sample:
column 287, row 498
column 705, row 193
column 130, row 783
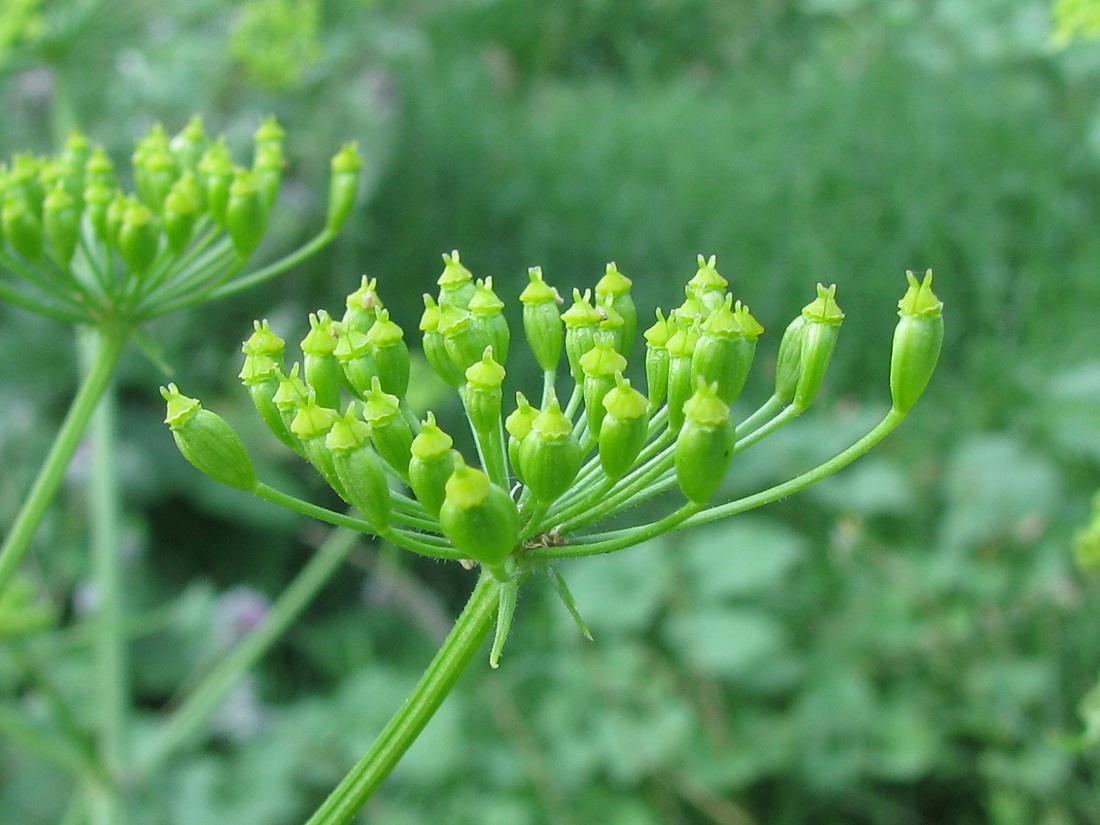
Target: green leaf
column 731, row 643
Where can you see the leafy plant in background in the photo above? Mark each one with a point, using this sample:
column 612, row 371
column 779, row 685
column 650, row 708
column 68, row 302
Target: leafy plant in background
column 606, row 451
column 79, row 249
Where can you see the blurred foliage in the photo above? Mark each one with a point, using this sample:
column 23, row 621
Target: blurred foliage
column 1076, row 18
column 909, row 642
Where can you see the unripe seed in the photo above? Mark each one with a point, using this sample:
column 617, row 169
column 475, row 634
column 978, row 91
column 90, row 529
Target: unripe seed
column 456, row 284
column 389, row 429
column 322, row 369
column 207, row 441
column 704, row 447
column 478, row 517
column 550, row 455
column 431, row 465
column 823, row 319
column 918, row 338
column 614, row 289
column 624, row 429
column 435, row 346
column 390, row 354
column 343, row 185
column 542, row 324
column 246, row 212
column 359, row 470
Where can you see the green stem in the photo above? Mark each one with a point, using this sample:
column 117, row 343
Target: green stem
column 619, row 539
column 109, row 637
column 458, row 650
column 271, row 270
column 110, row 343
column 208, row 695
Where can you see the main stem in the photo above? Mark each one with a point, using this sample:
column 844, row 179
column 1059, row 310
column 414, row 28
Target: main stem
column 109, row 640
column 458, row 649
column 109, row 343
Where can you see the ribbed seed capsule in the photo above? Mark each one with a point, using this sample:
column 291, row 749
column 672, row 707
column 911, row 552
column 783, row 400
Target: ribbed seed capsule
column 614, row 289
column 582, row 322
column 290, row 394
column 611, row 322
column 321, row 368
column 188, row 145
column 550, row 455
column 99, row 170
column 353, row 353
column 704, row 447
column 707, row 288
column 154, row 177
column 479, row 518
column 268, row 162
column 207, row 441
column 138, row 237
column 725, row 349
column 22, row 228
column 361, row 305
column 181, row 212
column 463, row 340
column 624, row 428
column 311, row 424
column 431, row 464
column 681, row 347
column 518, row 424
column 60, row 224
column 261, row 377
column 97, row 198
column 542, row 324
column 599, row 365
column 823, row 318
column 343, row 184
column 918, row 338
column 435, row 346
column 390, row 354
column 246, row 212
column 485, row 312
column 456, row 284
column 389, row 429
column 481, row 395
column 359, row 470
column 788, row 363
column 216, row 176
column 656, row 360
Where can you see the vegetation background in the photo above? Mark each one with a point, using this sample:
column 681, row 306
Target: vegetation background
column 906, row 643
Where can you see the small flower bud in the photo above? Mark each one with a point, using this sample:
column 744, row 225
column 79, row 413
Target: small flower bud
column 551, row 455
column 542, row 324
column 207, row 441
column 343, row 185
column 485, row 312
column 624, row 428
column 390, row 354
column 917, row 341
column 478, row 517
column 431, row 464
column 704, row 447
column 823, row 319
column 614, row 288
column 456, row 284
column 518, row 424
column 322, row 369
column 389, row 430
column 359, row 470
column 246, row 212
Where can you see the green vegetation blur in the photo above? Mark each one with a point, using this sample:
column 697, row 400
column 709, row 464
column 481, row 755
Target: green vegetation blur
column 909, row 642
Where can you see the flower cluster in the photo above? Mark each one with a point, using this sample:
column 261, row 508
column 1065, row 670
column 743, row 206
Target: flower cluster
column 75, row 246
column 545, row 474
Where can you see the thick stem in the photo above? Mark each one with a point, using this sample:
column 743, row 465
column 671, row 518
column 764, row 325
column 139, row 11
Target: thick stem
column 461, row 645
column 208, row 695
column 109, row 638
column 110, row 343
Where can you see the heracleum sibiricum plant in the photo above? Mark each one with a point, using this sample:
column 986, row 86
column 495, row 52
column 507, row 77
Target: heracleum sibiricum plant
column 544, row 476
column 77, row 247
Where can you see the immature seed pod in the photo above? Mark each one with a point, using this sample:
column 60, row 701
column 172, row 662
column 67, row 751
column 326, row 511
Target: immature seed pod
column 181, row 212
column 188, row 145
column 707, row 286
column 268, row 169
column 390, row 354
column 342, row 187
column 291, row 393
column 582, row 321
column 353, row 353
column 322, row 369
column 518, row 424
column 624, row 428
column 72, row 161
column 681, row 348
column 97, row 199
column 215, row 177
column 154, row 177
column 478, row 517
column 725, row 349
column 431, row 464
column 599, row 366
column 359, row 470
column 60, row 224
column 550, row 455
column 704, row 447
column 656, row 360
column 542, row 324
column 246, row 212
column 311, row 425
column 138, row 237
column 485, row 312
column 917, row 341
column 261, row 377
column 435, row 346
column 207, row 441
column 611, row 323
column 361, row 306
column 389, row 429
column 269, row 135
column 823, row 319
column 481, row 394
column 464, row 340
column 99, row 170
column 456, row 284
column 22, row 228
column 614, row 289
